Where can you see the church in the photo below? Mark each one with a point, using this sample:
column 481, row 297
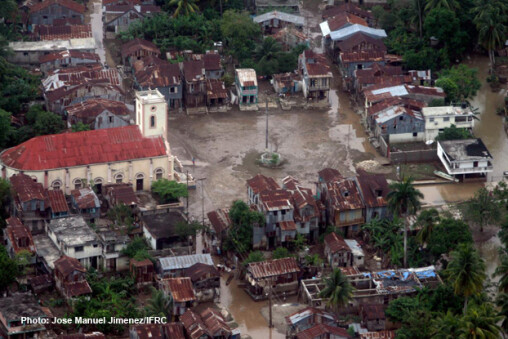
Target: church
column 137, row 154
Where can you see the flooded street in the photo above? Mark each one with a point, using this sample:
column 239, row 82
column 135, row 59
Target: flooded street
column 94, row 18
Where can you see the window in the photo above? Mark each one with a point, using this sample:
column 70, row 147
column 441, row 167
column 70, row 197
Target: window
column 78, row 249
column 25, row 53
column 110, row 119
column 431, row 119
column 78, row 183
column 152, row 121
column 283, row 212
column 95, row 245
column 446, row 119
column 153, row 108
column 158, row 173
column 119, row 178
column 415, row 134
column 401, row 118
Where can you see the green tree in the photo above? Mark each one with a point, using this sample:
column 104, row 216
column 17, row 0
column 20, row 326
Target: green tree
column 313, row 260
column 6, row 129
column 451, row 5
column 502, row 272
column 159, row 305
column 255, row 256
column 8, row 269
column 466, row 272
column 23, row 259
column 404, row 200
column 184, row 7
column 427, row 219
column 185, row 230
column 447, row 326
column 482, row 209
column 168, row 191
column 243, row 219
column 453, row 133
column 491, row 25
column 137, row 249
column 80, row 127
column 446, row 236
column 44, row 122
column 502, row 304
column 5, row 200
column 337, row 289
column 459, row 83
column 481, row 322
column 121, row 214
column 240, row 33
column 281, row 252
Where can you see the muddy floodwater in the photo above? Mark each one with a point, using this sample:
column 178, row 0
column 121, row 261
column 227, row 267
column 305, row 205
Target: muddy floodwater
column 95, row 20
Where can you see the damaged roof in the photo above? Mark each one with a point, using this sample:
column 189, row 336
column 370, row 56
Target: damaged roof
column 336, row 243
column 220, row 220
column 16, row 231
column 261, row 183
column 79, row 75
column 278, row 15
column 122, row 193
column 209, row 323
column 270, row 268
column 374, row 189
column 133, row 46
column 329, row 174
column 180, row 288
column 67, row 265
column 362, row 56
column 215, row 89
column 17, row 305
column 344, row 195
column 62, row 55
column 85, row 198
column 24, row 187
column 57, row 201
column 83, row 148
column 89, row 109
column 152, row 72
column 53, row 32
column 212, row 61
column 46, row 249
column 194, row 70
column 275, row 200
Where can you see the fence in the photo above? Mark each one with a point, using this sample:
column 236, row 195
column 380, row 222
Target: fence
column 429, row 155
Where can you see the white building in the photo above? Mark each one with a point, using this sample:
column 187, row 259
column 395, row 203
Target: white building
column 131, row 154
column 356, row 251
column 468, row 158
column 74, row 238
column 439, row 118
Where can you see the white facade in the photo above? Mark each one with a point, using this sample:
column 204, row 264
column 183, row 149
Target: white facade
column 439, row 118
column 151, row 113
column 455, row 158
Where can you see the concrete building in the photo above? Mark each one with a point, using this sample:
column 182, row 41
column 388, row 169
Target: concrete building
column 19, row 305
column 317, row 76
column 112, row 243
column 74, row 238
column 47, row 252
column 439, row 118
column 98, row 113
column 399, row 124
column 272, row 22
column 131, row 154
column 246, row 88
column 160, row 229
column 467, row 159
column 30, row 52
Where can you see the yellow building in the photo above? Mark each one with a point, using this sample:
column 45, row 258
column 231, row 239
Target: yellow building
column 137, row 154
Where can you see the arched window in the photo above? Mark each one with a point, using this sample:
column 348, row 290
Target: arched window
column 140, row 176
column 78, row 183
column 56, row 185
column 119, row 178
column 159, row 173
column 98, row 181
column 34, row 178
column 98, row 184
column 152, row 121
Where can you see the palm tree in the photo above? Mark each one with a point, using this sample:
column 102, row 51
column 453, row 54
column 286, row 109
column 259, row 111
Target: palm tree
column 268, row 49
column 427, row 219
column 337, row 289
column 480, row 322
column 466, row 271
column 502, row 271
column 482, row 209
column 491, row 31
column 185, row 7
column 452, row 5
column 404, row 200
column 159, row 305
column 446, row 326
column 502, row 303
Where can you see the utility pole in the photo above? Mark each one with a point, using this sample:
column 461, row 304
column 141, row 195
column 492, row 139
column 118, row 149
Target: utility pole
column 187, row 207
column 270, row 325
column 266, row 113
column 202, row 199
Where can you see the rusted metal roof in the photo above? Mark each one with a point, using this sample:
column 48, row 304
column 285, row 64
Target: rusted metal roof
column 329, row 174
column 122, row 194
column 82, row 148
column 79, row 75
column 212, row 62
column 66, row 21
column 270, row 268
column 88, row 110
column 19, row 236
column 92, row 335
column 57, row 201
column 66, row 265
column 361, row 41
column 158, row 331
column 61, row 55
column 85, row 198
column 72, row 5
column 362, row 56
column 261, row 183
column 180, row 288
column 194, row 70
column 153, row 72
column 275, row 200
column 378, row 335
column 344, row 195
column 287, row 225
column 75, row 289
column 215, row 324
column 322, row 331
column 345, row 7
column 141, row 263
column 133, row 46
column 374, row 189
column 373, row 312
column 52, row 32
column 200, row 271
column 24, row 187
column 215, row 89
column 246, row 77
column 193, row 324
column 220, row 220
column 342, row 19
column 336, row 243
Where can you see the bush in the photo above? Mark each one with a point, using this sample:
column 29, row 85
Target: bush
column 168, row 191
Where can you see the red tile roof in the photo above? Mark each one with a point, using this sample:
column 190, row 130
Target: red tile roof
column 336, row 243
column 57, row 201
column 91, row 108
column 72, row 5
column 83, row 148
column 24, row 188
column 319, row 330
column 270, row 268
column 181, row 289
column 131, row 47
column 260, row 183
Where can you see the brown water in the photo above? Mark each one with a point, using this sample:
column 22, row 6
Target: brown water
column 95, row 20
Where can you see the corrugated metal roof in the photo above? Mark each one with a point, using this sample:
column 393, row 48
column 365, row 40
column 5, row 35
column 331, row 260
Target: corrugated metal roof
column 85, row 198
column 246, row 76
column 305, row 313
column 72, row 5
column 378, row 335
column 184, row 261
column 180, row 288
column 336, row 243
column 269, row 268
column 295, row 19
column 260, row 183
column 346, row 32
column 317, row 331
column 57, row 201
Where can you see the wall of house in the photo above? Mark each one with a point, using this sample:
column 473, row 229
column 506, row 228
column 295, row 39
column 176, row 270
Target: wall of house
column 402, row 124
column 347, row 217
column 123, row 22
column 400, row 157
column 435, row 124
column 151, row 240
column 108, row 120
column 376, row 212
column 214, row 74
column 399, row 138
column 47, row 15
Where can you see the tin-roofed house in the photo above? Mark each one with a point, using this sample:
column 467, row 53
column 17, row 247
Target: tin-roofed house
column 208, row 324
column 213, row 66
column 86, row 203
column 195, row 86
column 98, row 113
column 175, row 266
column 118, row 17
column 45, row 12
column 307, row 318
column 220, row 223
column 317, row 76
column 373, row 317
column 160, row 229
column 246, row 88
column 216, row 95
column 399, row 124
column 280, row 227
column 337, row 251
column 70, row 278
column 58, row 207
column 157, row 331
column 278, row 275
column 137, row 49
column 118, row 194
column 142, row 271
column 374, row 190
column 274, row 21
column 180, row 290
column 54, row 60
column 205, row 281
column 258, row 184
column 18, row 238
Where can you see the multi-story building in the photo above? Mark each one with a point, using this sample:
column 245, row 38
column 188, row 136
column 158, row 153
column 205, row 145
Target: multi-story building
column 439, row 118
column 247, row 88
column 316, row 74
